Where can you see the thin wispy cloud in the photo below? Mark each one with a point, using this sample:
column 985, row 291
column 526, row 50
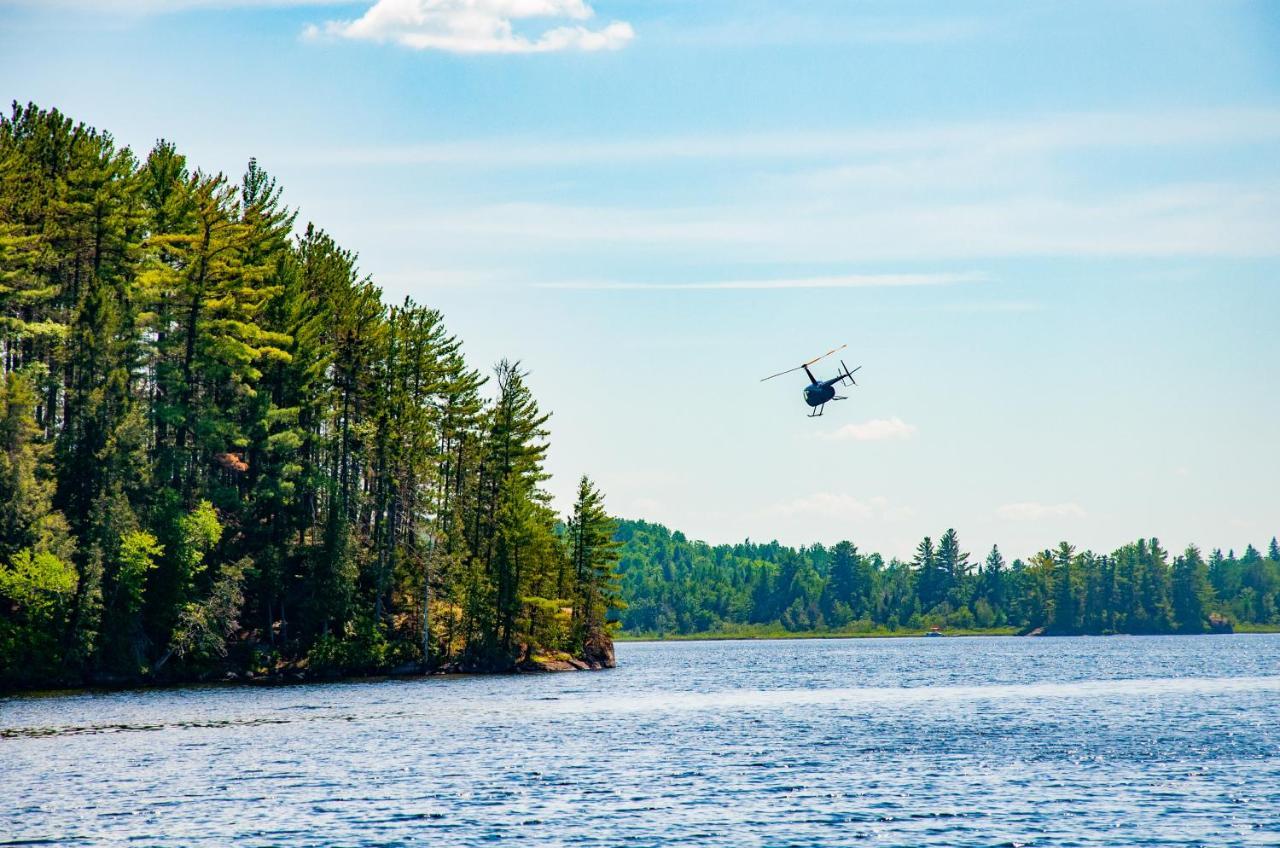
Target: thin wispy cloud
column 1223, row 219
column 1034, row 135
column 845, row 281
column 480, row 26
column 1036, row 511
column 875, row 430
column 953, row 191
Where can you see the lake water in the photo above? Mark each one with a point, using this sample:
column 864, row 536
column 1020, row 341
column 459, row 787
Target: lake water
column 985, row 741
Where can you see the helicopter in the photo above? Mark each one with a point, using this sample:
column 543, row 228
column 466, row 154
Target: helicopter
column 820, row 392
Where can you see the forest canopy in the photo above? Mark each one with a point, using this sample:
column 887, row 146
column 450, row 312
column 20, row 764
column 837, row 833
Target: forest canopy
column 674, row 586
column 220, row 447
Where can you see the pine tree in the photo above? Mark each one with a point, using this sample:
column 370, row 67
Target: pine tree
column 1191, row 594
column 992, row 582
column 845, row 595
column 929, row 577
column 1066, row 598
column 593, row 556
column 953, row 564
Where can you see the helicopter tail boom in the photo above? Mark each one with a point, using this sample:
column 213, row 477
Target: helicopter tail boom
column 845, row 374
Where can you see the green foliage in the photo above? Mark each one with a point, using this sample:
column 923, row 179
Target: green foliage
column 362, row 646
column 139, row 551
column 36, row 581
column 242, row 455
column 36, row 594
column 673, row 587
column 204, row 626
column 200, row 530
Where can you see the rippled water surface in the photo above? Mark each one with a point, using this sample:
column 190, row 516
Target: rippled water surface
column 1115, row 741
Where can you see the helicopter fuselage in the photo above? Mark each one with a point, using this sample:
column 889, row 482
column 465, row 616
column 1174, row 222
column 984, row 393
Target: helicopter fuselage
column 818, row 393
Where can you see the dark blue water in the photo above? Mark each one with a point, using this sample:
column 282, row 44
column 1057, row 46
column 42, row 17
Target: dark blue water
column 1115, row 741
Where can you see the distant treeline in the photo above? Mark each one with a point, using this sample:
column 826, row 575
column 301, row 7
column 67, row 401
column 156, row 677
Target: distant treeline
column 675, row 586
column 219, row 448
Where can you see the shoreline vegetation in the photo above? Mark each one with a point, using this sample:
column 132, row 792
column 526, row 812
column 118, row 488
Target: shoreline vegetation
column 765, row 634
column 222, row 453
column 679, row 588
column 778, row 636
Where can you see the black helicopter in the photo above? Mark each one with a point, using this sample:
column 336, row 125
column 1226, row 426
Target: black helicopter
column 820, row 392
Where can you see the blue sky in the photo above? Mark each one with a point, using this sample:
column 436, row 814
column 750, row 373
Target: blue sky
column 1049, row 232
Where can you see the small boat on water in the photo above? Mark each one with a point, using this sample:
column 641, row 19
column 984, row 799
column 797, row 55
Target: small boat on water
column 935, row 631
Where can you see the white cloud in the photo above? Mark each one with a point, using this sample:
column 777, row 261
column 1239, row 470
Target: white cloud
column 1035, row 511
column 479, row 26
column 844, row 281
column 838, row 505
column 875, row 430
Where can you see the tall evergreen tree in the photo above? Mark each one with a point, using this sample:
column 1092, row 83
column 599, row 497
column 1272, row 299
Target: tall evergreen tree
column 1066, row 613
column 1190, row 593
column 930, row 579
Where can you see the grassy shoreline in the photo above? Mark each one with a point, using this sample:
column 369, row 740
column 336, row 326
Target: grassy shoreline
column 1257, row 628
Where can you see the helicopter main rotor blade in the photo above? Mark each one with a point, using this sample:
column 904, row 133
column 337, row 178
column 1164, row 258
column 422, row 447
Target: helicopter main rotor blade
column 807, row 364
column 825, row 355
column 780, row 373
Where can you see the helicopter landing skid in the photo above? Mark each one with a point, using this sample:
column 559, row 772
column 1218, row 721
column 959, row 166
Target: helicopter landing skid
column 817, row 412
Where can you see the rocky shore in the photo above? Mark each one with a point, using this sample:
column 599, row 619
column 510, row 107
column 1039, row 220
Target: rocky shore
column 597, row 655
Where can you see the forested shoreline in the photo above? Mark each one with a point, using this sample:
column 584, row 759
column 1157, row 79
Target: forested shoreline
column 675, row 587
column 221, row 451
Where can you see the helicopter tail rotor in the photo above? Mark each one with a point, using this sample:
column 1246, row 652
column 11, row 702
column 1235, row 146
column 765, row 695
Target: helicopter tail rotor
column 847, row 374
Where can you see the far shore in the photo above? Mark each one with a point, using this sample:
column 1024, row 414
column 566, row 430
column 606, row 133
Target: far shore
column 777, row 635
column 747, row 635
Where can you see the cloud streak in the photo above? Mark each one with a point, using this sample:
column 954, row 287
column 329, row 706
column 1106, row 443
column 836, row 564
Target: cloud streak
column 1035, row 135
column 479, row 26
column 845, row 281
column 1216, row 219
